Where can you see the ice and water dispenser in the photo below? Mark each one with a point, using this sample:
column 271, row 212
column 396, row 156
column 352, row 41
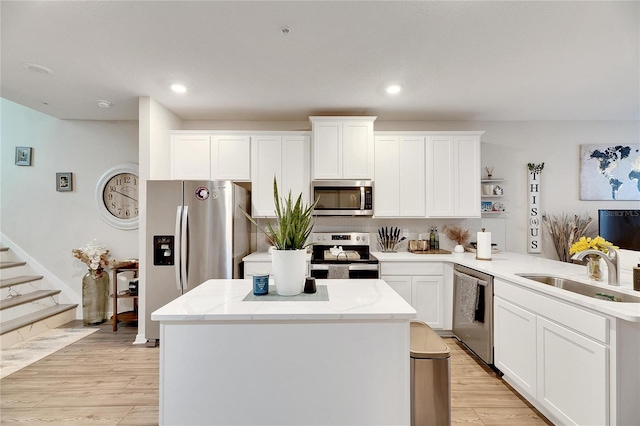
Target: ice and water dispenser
column 163, row 249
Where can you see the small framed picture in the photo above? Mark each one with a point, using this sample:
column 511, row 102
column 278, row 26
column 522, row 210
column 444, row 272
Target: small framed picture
column 23, row 155
column 486, row 206
column 64, row 181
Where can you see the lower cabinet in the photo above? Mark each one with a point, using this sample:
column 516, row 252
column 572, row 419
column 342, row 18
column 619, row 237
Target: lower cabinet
column 423, row 286
column 562, row 371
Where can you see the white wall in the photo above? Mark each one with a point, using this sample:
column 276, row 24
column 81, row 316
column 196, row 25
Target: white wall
column 45, row 223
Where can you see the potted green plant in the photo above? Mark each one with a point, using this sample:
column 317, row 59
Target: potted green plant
column 289, row 239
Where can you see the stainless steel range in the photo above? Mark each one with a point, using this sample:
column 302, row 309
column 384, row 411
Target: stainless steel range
column 354, row 261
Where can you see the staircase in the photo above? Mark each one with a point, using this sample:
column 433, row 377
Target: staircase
column 27, row 307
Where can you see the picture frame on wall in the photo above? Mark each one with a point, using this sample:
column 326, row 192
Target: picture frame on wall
column 23, row 156
column 64, row 181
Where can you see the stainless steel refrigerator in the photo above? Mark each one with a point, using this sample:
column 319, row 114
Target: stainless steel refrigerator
column 195, row 232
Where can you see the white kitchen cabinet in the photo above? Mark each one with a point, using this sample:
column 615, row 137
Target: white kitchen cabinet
column 515, row 344
column 231, row 157
column 206, row 156
column 422, row 285
column 399, row 176
column 190, row 157
column 284, row 156
column 572, row 375
column 343, row 147
column 453, row 175
column 556, row 354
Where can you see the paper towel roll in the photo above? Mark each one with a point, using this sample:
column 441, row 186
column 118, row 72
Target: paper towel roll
column 483, row 245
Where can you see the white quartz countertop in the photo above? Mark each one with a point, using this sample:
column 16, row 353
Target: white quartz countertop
column 506, row 265
column 222, row 300
column 263, row 256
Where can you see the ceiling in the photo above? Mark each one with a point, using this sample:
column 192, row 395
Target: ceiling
column 457, row 60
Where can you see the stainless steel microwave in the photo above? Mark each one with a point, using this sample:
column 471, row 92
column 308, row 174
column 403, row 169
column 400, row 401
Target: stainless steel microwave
column 343, row 197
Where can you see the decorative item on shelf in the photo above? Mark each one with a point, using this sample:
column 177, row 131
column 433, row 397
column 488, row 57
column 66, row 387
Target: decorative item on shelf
column 289, row 239
column 459, row 235
column 389, row 239
column 497, row 207
column 593, row 261
column 498, row 190
column 564, row 228
column 95, row 284
column 489, row 170
column 485, row 206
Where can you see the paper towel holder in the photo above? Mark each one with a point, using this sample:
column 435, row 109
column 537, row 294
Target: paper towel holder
column 478, row 247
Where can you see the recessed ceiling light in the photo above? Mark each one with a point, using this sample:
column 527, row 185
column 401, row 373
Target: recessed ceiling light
column 178, row 88
column 37, row 68
column 394, row 89
column 285, row 30
column 104, row 104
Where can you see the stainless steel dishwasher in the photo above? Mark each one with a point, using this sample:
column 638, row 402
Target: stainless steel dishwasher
column 473, row 326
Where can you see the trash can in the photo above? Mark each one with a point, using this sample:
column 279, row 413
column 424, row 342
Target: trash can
column 430, row 377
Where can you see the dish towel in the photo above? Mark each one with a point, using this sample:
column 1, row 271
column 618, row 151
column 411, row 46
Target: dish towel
column 469, row 296
column 338, row 272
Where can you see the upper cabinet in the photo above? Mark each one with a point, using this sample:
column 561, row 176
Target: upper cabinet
column 286, row 157
column 343, row 147
column 399, row 176
column 453, row 175
column 206, row 156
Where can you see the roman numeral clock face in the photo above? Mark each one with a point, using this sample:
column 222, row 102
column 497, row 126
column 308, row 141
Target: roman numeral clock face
column 117, row 196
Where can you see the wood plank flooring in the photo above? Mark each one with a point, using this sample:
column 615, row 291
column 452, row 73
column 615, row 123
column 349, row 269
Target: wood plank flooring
column 105, row 380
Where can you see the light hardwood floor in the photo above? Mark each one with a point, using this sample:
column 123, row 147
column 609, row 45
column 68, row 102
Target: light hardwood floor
column 105, row 380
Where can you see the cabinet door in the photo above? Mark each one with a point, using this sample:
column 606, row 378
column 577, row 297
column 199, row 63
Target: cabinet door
column 190, row 157
column 357, row 150
column 296, row 176
column 467, row 176
column 427, row 298
column 387, row 176
column 440, row 178
column 401, row 284
column 266, row 152
column 573, row 374
column 412, row 177
column 327, row 150
column 515, row 344
column 231, row 158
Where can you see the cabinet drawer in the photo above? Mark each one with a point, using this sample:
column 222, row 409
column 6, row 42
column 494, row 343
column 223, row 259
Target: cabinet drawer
column 587, row 323
column 411, row 268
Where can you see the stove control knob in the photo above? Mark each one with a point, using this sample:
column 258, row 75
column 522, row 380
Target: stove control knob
column 357, row 238
column 364, row 238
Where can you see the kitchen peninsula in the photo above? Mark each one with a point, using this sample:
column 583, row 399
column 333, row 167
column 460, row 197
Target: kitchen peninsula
column 226, row 360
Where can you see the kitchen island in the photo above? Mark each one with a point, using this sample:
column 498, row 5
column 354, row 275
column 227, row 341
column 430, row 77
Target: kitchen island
column 225, row 360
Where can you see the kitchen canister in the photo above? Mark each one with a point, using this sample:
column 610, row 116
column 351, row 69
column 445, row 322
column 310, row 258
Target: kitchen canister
column 483, row 245
column 260, row 284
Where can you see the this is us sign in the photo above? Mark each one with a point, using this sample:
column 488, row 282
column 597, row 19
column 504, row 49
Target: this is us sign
column 534, row 236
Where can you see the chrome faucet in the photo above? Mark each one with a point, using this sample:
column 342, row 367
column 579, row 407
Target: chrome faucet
column 613, row 269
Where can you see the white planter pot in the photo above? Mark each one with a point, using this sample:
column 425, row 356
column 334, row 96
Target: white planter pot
column 458, row 249
column 289, row 271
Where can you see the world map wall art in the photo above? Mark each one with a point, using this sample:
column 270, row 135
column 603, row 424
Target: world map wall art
column 610, row 172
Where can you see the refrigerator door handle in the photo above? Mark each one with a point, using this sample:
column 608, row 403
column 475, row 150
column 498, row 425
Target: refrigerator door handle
column 184, row 247
column 177, row 248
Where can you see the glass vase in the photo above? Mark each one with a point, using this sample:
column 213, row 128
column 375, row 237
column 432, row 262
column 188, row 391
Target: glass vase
column 95, row 297
column 593, row 268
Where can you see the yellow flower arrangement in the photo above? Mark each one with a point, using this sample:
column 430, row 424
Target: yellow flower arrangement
column 597, row 243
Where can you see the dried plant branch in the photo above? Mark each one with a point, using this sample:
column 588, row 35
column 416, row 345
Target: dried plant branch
column 565, row 229
column 457, row 234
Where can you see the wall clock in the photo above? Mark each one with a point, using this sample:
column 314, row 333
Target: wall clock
column 116, row 196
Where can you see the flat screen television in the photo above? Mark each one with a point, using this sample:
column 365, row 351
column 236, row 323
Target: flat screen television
column 621, row 227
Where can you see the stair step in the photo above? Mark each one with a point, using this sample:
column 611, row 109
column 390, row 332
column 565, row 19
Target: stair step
column 5, row 265
column 8, row 282
column 26, row 298
column 4, row 248
column 16, row 323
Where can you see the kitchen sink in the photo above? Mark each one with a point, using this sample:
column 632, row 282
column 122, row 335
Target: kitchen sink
column 582, row 288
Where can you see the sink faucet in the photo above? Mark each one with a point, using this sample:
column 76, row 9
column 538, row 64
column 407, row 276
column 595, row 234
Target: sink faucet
column 613, row 269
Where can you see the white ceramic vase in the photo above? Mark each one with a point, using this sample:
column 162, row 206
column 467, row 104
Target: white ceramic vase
column 289, row 271
column 458, row 249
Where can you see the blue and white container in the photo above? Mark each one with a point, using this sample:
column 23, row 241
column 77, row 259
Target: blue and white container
column 261, row 284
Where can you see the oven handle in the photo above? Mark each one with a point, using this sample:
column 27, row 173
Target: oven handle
column 352, row 267
column 480, row 282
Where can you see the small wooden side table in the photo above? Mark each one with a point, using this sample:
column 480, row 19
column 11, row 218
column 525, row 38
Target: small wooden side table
column 129, row 316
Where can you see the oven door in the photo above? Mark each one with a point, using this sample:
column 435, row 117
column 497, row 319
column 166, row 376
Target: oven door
column 356, row 271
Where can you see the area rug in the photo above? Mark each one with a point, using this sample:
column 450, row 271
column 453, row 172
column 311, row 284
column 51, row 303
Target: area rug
column 44, row 344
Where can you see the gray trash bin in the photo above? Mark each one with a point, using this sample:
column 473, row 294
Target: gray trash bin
column 430, row 377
